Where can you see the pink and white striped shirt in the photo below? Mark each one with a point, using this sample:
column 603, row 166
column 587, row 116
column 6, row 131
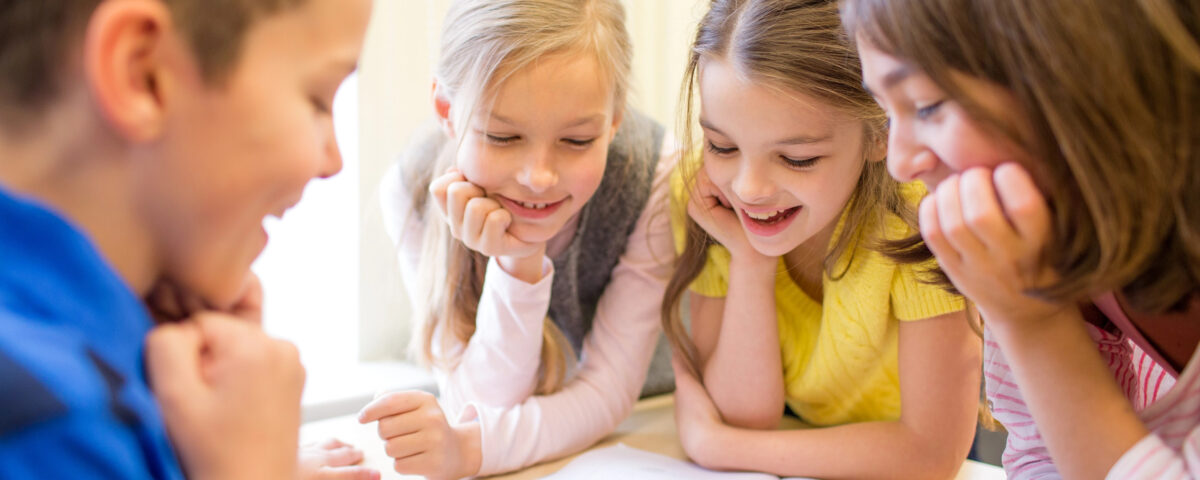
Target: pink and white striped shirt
column 1169, row 408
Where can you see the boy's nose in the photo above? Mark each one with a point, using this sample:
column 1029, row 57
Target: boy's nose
column 331, row 158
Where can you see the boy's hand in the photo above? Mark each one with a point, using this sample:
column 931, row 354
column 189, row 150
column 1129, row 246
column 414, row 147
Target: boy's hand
column 333, row 460
column 420, row 439
column 988, row 230
column 481, row 223
column 713, row 212
column 696, row 417
column 230, row 396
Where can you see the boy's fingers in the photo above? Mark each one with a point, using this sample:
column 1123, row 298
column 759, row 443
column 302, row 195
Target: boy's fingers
column 173, row 360
column 348, row 473
column 394, row 403
column 343, row 456
column 331, row 443
column 249, row 305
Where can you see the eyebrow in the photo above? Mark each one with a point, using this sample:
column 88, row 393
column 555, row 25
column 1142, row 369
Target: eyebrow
column 597, row 118
column 797, row 140
column 892, row 78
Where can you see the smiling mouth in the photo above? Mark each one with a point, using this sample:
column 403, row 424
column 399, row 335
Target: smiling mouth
column 530, row 210
column 770, row 218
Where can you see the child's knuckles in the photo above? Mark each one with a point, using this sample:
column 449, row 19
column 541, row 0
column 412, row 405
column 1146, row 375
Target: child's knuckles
column 393, row 449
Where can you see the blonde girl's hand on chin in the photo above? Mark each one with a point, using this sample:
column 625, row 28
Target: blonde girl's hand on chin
column 481, row 223
column 988, row 229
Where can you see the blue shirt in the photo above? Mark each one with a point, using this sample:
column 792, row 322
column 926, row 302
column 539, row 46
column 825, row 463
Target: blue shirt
column 74, row 401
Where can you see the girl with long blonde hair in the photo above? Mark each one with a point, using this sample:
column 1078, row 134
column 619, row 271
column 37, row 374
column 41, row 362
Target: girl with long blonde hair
column 534, row 241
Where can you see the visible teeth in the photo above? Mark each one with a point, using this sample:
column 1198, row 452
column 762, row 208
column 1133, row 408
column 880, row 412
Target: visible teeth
column 764, row 215
column 535, row 206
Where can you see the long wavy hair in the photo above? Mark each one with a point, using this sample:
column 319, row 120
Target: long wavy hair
column 793, row 46
column 1110, row 93
column 483, row 43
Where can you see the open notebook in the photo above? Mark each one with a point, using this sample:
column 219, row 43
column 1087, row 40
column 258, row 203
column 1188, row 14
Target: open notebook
column 626, row 463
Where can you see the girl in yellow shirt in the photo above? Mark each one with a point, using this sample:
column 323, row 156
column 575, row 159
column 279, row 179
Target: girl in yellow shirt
column 802, row 259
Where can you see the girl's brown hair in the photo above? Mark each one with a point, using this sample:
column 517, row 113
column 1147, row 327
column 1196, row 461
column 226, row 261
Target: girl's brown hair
column 793, row 46
column 483, row 43
column 1110, row 96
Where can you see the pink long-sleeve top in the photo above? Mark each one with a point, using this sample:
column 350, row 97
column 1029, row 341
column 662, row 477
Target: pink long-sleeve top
column 495, row 379
column 1168, row 406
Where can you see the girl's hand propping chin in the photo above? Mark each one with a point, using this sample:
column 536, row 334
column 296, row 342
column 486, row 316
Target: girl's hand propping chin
column 481, row 223
column 988, row 229
column 709, row 208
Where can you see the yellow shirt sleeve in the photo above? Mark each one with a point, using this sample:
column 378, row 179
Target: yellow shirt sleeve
column 913, row 298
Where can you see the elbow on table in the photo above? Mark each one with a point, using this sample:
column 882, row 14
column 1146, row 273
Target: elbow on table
column 938, row 463
column 762, row 419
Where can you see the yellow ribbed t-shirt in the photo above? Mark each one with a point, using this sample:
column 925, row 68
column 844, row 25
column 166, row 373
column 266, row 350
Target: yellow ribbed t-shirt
column 839, row 356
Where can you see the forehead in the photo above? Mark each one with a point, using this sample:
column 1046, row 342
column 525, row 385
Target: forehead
column 881, row 70
column 737, row 105
column 555, row 88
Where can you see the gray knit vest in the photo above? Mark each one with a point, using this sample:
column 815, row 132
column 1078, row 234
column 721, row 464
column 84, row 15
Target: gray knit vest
column 583, row 270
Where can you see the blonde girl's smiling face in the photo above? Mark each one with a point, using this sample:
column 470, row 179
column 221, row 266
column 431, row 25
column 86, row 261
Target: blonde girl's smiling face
column 931, row 136
column 786, row 162
column 540, row 149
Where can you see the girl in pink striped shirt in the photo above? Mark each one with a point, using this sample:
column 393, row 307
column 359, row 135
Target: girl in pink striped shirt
column 1060, row 141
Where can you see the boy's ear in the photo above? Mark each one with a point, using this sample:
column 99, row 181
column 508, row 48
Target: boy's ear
column 122, row 59
column 441, row 106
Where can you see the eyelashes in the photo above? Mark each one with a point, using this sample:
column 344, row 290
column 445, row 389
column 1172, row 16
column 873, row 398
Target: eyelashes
column 510, row 139
column 797, row 163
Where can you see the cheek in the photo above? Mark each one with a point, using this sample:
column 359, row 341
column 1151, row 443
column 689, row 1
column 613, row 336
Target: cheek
column 474, row 161
column 589, row 172
column 962, row 145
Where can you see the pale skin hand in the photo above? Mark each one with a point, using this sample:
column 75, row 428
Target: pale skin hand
column 333, row 460
column 481, row 223
column 713, row 212
column 939, row 376
column 326, row 460
column 749, row 340
column 420, row 440
column 988, row 229
column 230, row 396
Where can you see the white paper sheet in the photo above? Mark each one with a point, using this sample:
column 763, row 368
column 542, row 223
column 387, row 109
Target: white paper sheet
column 626, row 463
